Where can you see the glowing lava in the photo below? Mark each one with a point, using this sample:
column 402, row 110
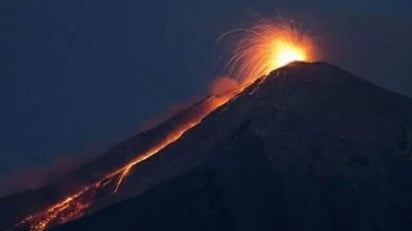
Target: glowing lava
column 266, row 47
column 75, row 205
column 262, row 49
column 288, row 53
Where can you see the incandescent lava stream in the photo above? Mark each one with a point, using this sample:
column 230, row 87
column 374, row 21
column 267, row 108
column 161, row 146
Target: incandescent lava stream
column 262, row 49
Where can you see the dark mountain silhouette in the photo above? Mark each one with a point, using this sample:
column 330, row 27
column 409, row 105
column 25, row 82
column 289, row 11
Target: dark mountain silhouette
column 14, row 208
column 310, row 147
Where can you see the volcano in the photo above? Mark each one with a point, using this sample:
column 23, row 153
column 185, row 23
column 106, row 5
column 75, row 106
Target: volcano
column 308, row 147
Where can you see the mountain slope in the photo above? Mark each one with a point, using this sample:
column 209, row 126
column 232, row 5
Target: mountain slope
column 16, row 207
column 311, row 147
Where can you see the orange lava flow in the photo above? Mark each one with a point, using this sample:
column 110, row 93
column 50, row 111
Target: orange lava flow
column 213, row 103
column 263, row 48
column 73, row 206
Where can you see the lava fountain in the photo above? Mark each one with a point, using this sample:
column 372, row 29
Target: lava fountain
column 260, row 49
column 265, row 47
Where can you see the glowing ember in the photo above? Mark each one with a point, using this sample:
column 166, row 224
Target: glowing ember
column 263, row 48
column 266, row 47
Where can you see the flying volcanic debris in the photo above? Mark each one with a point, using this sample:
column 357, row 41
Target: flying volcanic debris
column 261, row 49
column 265, row 47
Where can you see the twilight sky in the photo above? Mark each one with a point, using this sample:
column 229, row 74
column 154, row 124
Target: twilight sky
column 77, row 76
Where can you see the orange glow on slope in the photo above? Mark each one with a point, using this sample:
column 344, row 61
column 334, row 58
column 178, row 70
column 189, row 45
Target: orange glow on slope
column 266, row 47
column 210, row 105
column 263, row 48
column 74, row 206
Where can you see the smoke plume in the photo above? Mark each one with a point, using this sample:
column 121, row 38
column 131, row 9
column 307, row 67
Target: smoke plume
column 222, row 85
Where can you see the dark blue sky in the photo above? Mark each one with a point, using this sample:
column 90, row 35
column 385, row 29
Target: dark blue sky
column 80, row 75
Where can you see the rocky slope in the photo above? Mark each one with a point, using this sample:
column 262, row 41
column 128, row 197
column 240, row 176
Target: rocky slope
column 310, row 147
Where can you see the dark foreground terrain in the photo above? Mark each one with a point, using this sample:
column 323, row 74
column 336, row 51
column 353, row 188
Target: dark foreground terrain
column 311, row 147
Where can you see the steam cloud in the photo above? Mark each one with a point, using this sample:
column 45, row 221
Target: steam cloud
column 222, row 85
column 34, row 177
